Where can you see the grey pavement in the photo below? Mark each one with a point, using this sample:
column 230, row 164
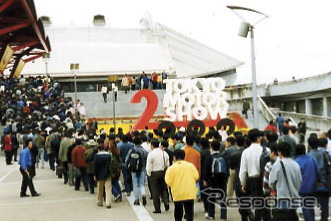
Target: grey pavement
column 61, row 202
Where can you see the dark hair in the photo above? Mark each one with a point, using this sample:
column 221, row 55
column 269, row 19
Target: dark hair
column 329, row 134
column 313, row 142
column 189, row 140
column 204, row 143
column 293, row 129
column 79, row 141
column 216, row 135
column 125, row 138
column 101, row 147
column 164, row 143
column 240, row 140
column 284, row 148
column 155, row 143
column 179, row 154
column 253, row 134
column 322, row 142
column 286, row 130
column 27, row 142
column 300, row 149
column 274, row 148
column 216, row 145
column 231, row 140
column 137, row 140
column 136, row 133
column 143, row 138
column 272, row 136
column 112, row 137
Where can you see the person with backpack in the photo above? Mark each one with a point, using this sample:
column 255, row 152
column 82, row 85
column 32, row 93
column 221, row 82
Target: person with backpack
column 157, row 163
column 250, row 168
column 102, row 175
column 216, row 174
column 182, row 177
column 136, row 163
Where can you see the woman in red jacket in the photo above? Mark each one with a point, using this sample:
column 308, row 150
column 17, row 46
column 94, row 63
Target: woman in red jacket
column 8, row 148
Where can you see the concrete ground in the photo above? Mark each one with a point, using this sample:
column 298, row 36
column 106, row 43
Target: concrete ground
column 61, row 202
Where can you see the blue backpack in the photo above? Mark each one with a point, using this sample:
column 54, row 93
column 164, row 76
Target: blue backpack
column 219, row 166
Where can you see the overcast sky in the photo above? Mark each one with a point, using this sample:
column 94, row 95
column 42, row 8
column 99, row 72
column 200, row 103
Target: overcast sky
column 293, row 41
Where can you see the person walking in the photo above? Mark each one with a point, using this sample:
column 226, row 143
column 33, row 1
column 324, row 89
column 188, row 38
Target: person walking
column 125, row 82
column 322, row 158
column 157, row 163
column 309, row 172
column 249, row 172
column 8, row 148
column 285, row 178
column 40, row 143
column 302, row 129
column 136, row 163
column 280, row 123
column 104, row 91
column 125, row 147
column 246, row 107
column 216, row 173
column 64, row 145
column 101, row 175
column 78, row 163
column 182, row 177
column 115, row 90
column 24, row 162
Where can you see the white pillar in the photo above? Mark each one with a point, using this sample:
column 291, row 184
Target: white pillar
column 309, row 107
column 325, row 106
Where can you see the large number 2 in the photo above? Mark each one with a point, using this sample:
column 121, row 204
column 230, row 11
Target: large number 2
column 152, row 102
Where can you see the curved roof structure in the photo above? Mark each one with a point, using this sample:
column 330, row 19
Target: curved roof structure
column 104, row 51
column 22, row 35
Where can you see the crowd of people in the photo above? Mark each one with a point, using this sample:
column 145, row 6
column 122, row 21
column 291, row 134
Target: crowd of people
column 178, row 168
column 154, row 81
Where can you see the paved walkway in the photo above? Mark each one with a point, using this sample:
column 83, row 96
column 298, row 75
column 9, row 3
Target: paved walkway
column 61, row 202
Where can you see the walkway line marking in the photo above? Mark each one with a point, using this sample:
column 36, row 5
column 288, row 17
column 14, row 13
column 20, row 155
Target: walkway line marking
column 8, row 173
column 140, row 211
column 29, row 202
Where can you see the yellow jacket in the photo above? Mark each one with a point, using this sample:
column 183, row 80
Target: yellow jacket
column 182, row 177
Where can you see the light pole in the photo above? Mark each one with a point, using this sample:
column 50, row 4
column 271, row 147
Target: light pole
column 74, row 67
column 46, row 58
column 243, row 32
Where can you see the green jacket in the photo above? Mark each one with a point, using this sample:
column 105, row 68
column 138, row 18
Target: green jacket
column 65, row 143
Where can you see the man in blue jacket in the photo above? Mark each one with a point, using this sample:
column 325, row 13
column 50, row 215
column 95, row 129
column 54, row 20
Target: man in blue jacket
column 308, row 167
column 321, row 157
column 25, row 162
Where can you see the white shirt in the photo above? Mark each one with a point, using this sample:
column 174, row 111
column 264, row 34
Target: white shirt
column 146, row 147
column 250, row 162
column 104, row 90
column 157, row 160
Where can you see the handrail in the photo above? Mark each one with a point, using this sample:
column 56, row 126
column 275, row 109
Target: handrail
column 266, row 111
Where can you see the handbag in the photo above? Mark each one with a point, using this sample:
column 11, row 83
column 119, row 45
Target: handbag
column 77, row 172
column 60, row 170
column 286, row 214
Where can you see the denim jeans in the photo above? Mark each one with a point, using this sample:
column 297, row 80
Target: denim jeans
column 126, row 179
column 138, row 180
column 323, row 201
column 40, row 158
column 115, row 187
